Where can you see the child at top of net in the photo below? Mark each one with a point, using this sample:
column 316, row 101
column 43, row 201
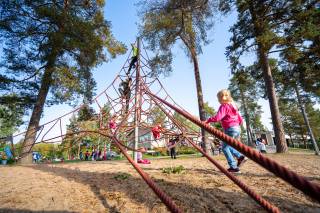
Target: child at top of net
column 134, row 58
column 230, row 119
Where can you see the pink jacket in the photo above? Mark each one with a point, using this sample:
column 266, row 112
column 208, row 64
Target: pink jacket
column 112, row 124
column 228, row 115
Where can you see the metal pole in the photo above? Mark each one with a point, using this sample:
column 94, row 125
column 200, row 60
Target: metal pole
column 137, row 103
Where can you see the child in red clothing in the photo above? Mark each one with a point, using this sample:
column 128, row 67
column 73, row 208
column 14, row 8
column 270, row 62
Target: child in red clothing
column 139, row 156
column 230, row 119
column 156, row 130
column 113, row 124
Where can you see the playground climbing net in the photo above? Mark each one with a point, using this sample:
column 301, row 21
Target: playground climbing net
column 137, row 102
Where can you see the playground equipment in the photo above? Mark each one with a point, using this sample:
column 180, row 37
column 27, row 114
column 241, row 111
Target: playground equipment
column 132, row 111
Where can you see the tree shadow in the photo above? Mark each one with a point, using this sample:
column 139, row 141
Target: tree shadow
column 270, row 175
column 6, row 210
column 189, row 198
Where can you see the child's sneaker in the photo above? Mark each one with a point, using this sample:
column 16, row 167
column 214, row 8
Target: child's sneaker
column 241, row 161
column 232, row 170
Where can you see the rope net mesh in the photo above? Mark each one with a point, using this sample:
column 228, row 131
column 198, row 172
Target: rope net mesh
column 130, row 97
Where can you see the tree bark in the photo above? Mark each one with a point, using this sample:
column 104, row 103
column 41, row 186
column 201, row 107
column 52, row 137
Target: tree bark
column 306, row 120
column 31, row 133
column 281, row 144
column 202, row 114
column 259, row 29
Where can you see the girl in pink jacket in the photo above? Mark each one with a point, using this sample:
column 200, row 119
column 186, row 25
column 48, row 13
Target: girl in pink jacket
column 113, row 124
column 230, row 119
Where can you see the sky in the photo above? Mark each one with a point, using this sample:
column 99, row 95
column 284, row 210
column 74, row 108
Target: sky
column 214, row 67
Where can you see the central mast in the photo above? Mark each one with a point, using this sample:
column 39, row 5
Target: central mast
column 137, row 103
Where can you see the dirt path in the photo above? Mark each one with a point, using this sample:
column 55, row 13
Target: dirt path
column 102, row 187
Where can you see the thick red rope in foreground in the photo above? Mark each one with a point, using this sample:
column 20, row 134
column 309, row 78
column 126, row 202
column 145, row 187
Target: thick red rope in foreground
column 301, row 183
column 260, row 200
column 163, row 196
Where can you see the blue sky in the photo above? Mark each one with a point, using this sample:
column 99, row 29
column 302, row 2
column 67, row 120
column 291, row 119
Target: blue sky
column 214, row 68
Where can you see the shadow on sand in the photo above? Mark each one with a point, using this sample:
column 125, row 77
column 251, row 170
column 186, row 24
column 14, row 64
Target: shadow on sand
column 187, row 197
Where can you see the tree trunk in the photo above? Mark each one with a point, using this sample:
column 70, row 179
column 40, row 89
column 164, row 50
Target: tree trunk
column 290, row 135
column 246, row 115
column 273, row 103
column 35, row 117
column 259, row 29
column 202, row 114
column 306, row 120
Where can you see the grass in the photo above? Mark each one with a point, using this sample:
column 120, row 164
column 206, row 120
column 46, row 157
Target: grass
column 173, row 170
column 122, row 176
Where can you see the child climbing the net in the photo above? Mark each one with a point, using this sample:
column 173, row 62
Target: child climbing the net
column 125, row 92
column 156, row 131
column 139, row 156
column 231, row 120
column 134, row 58
column 113, row 124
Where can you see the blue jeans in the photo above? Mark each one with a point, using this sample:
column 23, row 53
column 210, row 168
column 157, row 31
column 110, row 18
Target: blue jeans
column 229, row 151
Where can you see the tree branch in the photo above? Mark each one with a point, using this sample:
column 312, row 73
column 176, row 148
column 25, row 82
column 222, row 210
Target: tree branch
column 34, row 74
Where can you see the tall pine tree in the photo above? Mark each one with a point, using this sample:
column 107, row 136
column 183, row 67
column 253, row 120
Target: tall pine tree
column 164, row 23
column 258, row 26
column 54, row 45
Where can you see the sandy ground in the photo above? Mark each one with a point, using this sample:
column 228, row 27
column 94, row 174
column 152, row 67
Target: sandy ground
column 96, row 186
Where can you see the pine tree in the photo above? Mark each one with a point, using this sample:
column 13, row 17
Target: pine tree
column 10, row 117
column 54, row 45
column 166, row 22
column 289, row 86
column 258, row 27
column 301, row 44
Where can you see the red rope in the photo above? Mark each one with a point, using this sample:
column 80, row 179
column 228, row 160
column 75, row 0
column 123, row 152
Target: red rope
column 260, row 200
column 161, row 194
column 301, row 183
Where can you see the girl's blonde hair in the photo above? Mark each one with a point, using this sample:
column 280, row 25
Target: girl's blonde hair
column 224, row 96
